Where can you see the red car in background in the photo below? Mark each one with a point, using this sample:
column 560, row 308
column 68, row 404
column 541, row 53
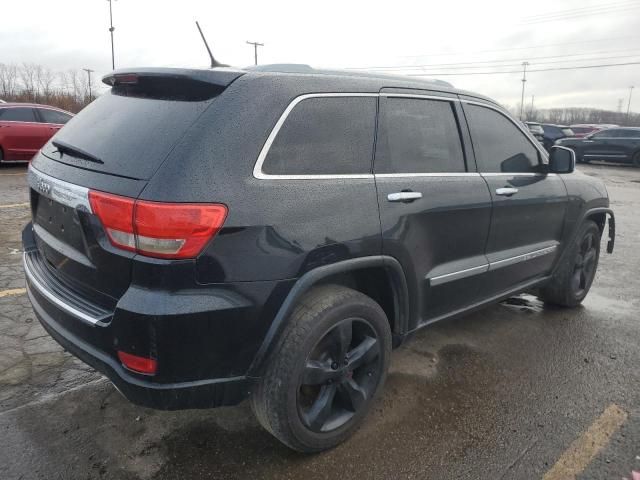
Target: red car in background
column 26, row 127
column 583, row 129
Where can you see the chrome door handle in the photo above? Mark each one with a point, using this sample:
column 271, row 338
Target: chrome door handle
column 404, row 196
column 506, row 191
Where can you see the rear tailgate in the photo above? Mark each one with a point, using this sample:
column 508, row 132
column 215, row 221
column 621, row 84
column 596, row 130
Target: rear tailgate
column 114, row 145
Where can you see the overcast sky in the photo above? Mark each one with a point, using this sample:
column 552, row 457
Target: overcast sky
column 448, row 37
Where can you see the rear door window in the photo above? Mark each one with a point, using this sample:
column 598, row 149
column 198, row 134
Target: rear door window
column 418, row 136
column 325, row 136
column 499, row 145
column 19, row 114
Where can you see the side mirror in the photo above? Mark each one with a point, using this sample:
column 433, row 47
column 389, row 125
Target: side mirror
column 562, row 160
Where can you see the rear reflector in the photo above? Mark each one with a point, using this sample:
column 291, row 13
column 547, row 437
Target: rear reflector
column 138, row 364
column 162, row 230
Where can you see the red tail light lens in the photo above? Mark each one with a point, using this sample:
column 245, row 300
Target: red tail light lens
column 145, row 365
column 162, row 230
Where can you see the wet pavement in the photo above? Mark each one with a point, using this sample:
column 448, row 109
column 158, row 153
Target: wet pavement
column 516, row 391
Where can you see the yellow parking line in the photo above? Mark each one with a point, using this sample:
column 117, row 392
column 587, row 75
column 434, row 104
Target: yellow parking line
column 11, row 174
column 12, row 291
column 14, row 205
column 578, row 456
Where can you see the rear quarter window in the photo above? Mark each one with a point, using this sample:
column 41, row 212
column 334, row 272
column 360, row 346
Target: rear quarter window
column 324, row 136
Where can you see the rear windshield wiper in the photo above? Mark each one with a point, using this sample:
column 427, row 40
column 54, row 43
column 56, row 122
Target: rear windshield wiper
column 75, row 151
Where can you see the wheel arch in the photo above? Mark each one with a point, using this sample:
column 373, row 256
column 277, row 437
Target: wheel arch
column 599, row 216
column 369, row 275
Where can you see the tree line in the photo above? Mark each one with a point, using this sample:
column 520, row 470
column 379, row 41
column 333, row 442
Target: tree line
column 576, row 115
column 34, row 83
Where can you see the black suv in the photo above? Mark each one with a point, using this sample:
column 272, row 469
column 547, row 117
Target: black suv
column 206, row 236
column 613, row 145
column 553, row 133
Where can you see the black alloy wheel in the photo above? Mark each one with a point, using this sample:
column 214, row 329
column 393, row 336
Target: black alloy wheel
column 585, row 264
column 340, row 375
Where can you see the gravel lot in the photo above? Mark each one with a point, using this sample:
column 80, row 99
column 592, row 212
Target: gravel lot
column 516, row 391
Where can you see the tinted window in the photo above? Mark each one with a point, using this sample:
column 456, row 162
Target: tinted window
column 418, row 136
column 325, row 136
column 602, row 134
column 17, row 115
column 53, row 116
column 499, row 145
column 628, row 133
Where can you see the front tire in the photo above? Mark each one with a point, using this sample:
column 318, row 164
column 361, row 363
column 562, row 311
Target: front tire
column 326, row 370
column 573, row 278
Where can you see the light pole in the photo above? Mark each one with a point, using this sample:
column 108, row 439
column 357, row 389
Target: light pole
column 629, row 104
column 255, row 50
column 524, row 80
column 111, row 29
column 89, row 72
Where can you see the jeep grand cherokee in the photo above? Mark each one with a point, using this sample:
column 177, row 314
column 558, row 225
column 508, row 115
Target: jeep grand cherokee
column 206, row 236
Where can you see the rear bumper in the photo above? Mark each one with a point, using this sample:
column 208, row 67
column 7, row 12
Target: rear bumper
column 164, row 396
column 204, row 338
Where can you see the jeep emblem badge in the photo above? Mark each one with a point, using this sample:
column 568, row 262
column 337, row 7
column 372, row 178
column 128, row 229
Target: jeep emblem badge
column 44, row 187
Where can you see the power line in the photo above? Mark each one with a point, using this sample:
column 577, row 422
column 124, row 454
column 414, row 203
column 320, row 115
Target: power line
column 432, row 74
column 407, row 67
column 471, row 66
column 583, row 12
column 573, row 10
column 600, row 40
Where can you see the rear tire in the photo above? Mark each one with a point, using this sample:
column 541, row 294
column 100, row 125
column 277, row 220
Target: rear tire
column 327, row 368
column 636, row 160
column 573, row 278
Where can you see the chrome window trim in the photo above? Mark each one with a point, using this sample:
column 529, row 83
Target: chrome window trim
column 73, row 196
column 417, row 95
column 490, row 266
column 527, row 133
column 42, row 290
column 257, row 169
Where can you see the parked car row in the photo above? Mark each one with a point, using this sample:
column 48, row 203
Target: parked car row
column 603, row 142
column 612, row 144
column 26, row 127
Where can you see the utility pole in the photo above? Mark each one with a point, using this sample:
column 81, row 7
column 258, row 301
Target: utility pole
column 629, row 104
column 524, row 80
column 111, row 29
column 89, row 72
column 255, row 50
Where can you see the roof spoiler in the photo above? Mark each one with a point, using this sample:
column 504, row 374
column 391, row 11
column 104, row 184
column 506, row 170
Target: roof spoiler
column 171, row 83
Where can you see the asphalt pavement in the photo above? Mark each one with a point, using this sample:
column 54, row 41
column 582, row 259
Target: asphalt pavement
column 518, row 390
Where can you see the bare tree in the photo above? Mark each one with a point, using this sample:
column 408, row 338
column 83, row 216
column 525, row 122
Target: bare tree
column 44, row 81
column 8, row 79
column 27, row 74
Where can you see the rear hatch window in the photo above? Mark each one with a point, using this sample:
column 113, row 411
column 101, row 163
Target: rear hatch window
column 130, row 130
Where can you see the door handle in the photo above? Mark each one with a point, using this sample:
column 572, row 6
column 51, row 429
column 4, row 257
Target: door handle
column 506, row 191
column 404, row 196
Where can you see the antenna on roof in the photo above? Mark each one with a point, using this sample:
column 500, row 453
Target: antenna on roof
column 214, row 62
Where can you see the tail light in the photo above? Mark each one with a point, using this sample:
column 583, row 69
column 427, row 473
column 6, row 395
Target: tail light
column 155, row 229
